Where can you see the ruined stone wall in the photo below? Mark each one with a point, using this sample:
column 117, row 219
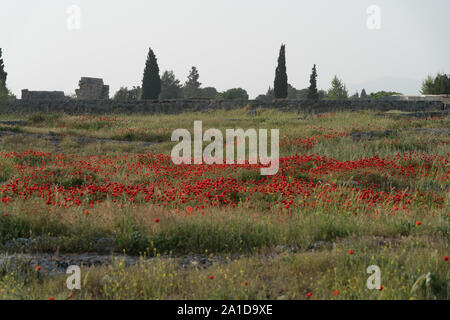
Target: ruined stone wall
column 92, row 89
column 74, row 106
column 42, row 95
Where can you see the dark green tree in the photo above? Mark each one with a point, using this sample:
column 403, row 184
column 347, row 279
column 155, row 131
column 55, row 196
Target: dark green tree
column 313, row 94
column 151, row 82
column 209, row 93
column 292, row 92
column 121, row 94
column 125, row 94
column 281, row 79
column 323, row 94
column 302, row 94
column 3, row 74
column 233, row 94
column 437, row 85
column 355, row 96
column 383, row 95
column 442, row 84
column 363, row 94
column 269, row 96
column 192, row 85
column 170, row 86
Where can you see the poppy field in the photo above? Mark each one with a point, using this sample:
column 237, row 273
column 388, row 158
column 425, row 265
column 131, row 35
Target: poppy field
column 353, row 190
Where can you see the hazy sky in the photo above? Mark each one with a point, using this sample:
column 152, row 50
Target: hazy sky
column 233, row 43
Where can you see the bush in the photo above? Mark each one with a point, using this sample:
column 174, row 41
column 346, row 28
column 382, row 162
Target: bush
column 38, row 118
column 233, row 94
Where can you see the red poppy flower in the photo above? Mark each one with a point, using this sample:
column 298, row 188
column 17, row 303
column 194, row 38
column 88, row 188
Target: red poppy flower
column 445, row 258
column 156, row 220
column 211, row 277
column 418, row 223
column 51, row 298
column 351, row 251
column 336, row 292
column 38, row 268
column 245, row 283
column 309, row 295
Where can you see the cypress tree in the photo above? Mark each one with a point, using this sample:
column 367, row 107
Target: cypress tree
column 281, row 79
column 3, row 74
column 363, row 94
column 313, row 94
column 151, row 82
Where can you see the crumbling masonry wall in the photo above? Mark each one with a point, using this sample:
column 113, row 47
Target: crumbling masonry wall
column 42, row 95
column 74, row 106
column 92, row 89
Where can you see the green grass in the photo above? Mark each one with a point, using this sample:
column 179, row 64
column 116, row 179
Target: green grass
column 407, row 253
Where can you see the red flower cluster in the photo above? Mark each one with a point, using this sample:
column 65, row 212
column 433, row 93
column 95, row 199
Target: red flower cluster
column 303, row 181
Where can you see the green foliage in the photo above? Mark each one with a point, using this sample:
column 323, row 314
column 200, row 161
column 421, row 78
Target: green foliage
column 3, row 75
column 269, row 96
column 209, row 93
column 382, row 94
column 355, row 96
column 151, row 82
column 430, row 287
column 233, row 94
column 281, row 79
column 192, row 85
column 3, row 93
column 43, row 118
column 437, row 85
column 125, row 94
column 170, row 86
column 363, row 94
column 313, row 94
column 338, row 90
column 293, row 94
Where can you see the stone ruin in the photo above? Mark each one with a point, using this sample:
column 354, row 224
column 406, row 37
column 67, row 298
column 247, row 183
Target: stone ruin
column 42, row 95
column 92, row 89
column 75, row 106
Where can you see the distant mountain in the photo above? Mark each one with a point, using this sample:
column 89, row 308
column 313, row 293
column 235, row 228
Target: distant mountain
column 401, row 85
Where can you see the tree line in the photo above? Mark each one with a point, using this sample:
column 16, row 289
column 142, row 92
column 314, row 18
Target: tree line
column 167, row 86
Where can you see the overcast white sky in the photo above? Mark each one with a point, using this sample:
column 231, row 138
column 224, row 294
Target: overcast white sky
column 233, row 43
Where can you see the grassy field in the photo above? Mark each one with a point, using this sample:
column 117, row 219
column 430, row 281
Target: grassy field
column 353, row 190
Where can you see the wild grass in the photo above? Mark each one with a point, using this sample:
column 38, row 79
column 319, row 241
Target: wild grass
column 326, row 274
column 408, row 244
